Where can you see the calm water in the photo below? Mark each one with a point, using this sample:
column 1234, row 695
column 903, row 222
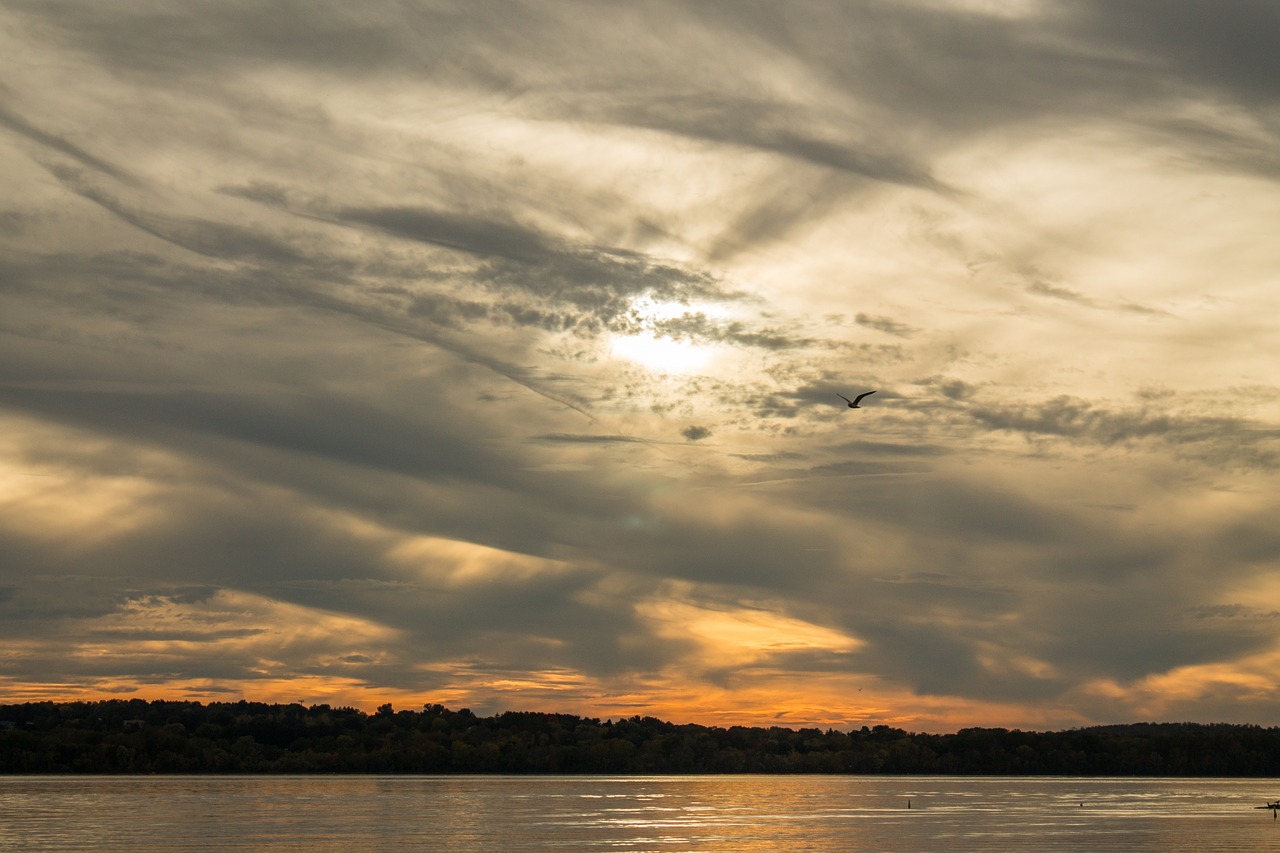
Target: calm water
column 643, row 813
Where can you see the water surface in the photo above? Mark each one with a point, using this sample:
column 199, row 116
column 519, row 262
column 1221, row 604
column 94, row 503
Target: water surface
column 634, row 813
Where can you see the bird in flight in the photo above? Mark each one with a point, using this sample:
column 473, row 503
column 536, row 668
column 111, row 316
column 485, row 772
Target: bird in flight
column 853, row 404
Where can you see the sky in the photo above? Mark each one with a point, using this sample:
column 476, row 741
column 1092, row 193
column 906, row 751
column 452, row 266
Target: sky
column 488, row 354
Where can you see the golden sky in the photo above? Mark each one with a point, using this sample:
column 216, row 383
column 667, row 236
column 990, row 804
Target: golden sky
column 488, row 354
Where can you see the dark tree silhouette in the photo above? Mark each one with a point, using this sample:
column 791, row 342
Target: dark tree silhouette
column 137, row 736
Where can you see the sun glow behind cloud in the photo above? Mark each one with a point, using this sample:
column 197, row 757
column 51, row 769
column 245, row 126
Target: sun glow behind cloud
column 657, row 341
column 661, row 354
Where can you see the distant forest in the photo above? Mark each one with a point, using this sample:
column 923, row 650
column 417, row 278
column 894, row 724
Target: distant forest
column 137, row 736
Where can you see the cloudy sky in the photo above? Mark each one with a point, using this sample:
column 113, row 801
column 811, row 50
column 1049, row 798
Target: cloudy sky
column 487, row 353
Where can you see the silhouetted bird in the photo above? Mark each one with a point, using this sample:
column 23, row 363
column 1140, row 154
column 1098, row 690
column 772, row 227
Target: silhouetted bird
column 853, row 404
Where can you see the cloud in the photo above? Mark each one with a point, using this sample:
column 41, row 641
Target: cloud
column 1041, row 288
column 204, row 237
column 886, row 325
column 19, row 125
column 1214, row 439
column 700, row 328
column 592, row 439
column 378, row 356
column 468, row 234
column 1228, row 51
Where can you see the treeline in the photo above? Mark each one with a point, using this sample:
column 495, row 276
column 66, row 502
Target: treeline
column 137, row 736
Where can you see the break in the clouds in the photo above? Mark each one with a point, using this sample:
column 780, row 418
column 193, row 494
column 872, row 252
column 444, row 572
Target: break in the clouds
column 490, row 354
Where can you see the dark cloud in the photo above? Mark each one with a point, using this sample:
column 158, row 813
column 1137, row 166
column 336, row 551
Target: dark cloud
column 1229, row 47
column 262, row 192
column 339, row 430
column 210, row 37
column 885, row 324
column 695, row 433
column 1042, row 288
column 783, row 456
column 952, row 70
column 19, row 125
column 444, row 310
column 1231, row 612
column 766, row 126
column 1127, row 648
column 591, row 439
column 752, row 552
column 697, row 326
column 1218, row 439
column 541, row 282
column 890, row 449
column 210, row 238
column 453, row 231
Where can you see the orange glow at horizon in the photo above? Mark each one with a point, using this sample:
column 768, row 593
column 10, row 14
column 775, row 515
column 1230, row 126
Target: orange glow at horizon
column 701, row 704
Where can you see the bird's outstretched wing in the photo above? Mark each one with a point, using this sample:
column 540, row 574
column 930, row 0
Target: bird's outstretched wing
column 846, row 399
column 858, row 398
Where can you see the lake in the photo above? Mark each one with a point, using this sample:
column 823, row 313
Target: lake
column 634, row 813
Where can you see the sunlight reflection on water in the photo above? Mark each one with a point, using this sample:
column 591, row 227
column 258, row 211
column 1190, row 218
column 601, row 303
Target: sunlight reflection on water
column 633, row 814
